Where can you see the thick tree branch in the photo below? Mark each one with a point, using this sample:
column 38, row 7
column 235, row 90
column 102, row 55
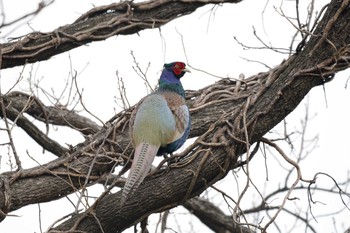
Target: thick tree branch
column 99, row 23
column 213, row 217
column 34, row 132
column 18, row 103
column 55, row 115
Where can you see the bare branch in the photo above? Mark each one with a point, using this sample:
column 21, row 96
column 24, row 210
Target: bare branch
column 40, row 7
column 9, row 112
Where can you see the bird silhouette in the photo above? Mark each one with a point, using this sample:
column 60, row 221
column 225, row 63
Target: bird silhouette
column 159, row 124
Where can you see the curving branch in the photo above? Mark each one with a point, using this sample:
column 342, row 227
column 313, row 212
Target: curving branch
column 123, row 18
column 17, row 103
column 34, row 132
column 54, row 115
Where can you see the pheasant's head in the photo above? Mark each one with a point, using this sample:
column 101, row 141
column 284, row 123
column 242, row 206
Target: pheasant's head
column 170, row 77
column 177, row 68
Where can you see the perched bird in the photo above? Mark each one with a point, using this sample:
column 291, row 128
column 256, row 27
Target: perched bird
column 159, row 124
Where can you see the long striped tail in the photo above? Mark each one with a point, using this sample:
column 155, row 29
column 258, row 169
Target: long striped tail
column 142, row 163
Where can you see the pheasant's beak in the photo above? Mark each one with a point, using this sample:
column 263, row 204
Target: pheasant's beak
column 186, row 70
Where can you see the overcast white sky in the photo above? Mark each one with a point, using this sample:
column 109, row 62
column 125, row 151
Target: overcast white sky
column 210, row 45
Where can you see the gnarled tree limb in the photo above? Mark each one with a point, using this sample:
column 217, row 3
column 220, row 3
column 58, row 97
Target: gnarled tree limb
column 55, row 115
column 126, row 17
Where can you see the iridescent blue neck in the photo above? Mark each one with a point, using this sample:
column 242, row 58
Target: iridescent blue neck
column 169, row 77
column 168, row 82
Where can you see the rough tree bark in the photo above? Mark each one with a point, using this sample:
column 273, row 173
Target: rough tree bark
column 213, row 217
column 99, row 23
column 228, row 117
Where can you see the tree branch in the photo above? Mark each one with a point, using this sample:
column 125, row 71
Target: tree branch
column 17, row 103
column 99, row 23
column 213, row 217
column 34, row 132
column 55, row 115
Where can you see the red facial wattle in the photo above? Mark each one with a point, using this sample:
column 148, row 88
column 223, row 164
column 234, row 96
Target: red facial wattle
column 178, row 68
